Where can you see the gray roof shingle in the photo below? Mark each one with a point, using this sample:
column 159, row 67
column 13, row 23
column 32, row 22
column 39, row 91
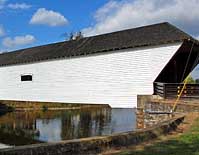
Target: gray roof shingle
column 157, row 34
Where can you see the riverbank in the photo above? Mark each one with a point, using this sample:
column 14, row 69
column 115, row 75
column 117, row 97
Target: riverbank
column 5, row 105
column 184, row 141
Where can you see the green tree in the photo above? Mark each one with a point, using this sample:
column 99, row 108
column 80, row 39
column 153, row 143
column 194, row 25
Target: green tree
column 197, row 81
column 190, row 80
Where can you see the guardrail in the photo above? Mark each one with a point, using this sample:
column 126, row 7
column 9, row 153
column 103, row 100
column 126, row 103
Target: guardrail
column 172, row 90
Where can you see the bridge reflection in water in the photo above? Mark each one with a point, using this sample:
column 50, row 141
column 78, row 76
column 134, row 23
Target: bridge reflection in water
column 22, row 128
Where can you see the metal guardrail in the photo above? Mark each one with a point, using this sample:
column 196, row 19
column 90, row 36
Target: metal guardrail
column 172, row 90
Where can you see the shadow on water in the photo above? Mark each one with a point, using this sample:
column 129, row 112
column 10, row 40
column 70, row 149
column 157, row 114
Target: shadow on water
column 22, row 128
column 4, row 109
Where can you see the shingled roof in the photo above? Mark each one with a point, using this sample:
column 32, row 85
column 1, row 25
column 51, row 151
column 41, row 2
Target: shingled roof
column 151, row 35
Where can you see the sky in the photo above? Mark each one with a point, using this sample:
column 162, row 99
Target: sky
column 27, row 23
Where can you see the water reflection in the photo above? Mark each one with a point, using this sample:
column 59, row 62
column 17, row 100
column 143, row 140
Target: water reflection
column 20, row 128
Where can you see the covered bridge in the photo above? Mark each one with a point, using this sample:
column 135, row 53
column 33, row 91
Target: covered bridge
column 105, row 69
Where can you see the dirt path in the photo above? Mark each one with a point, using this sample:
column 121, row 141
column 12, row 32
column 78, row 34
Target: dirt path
column 184, row 127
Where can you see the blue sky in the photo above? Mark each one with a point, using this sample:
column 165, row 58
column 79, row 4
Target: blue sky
column 26, row 23
column 16, row 21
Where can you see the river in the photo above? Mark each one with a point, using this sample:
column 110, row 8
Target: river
column 23, row 128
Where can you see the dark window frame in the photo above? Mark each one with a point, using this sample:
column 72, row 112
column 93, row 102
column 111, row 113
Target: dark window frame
column 26, row 78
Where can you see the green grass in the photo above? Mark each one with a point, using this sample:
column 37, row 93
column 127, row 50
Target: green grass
column 186, row 144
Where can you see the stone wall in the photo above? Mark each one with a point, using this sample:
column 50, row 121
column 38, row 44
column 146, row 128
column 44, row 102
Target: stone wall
column 156, row 103
column 153, row 109
column 96, row 145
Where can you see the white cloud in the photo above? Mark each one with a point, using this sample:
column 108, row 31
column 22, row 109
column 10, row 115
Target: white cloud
column 117, row 15
column 19, row 6
column 18, row 41
column 102, row 13
column 48, row 17
column 2, row 31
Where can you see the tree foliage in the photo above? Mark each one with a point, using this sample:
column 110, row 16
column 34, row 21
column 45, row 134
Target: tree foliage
column 73, row 36
column 190, row 80
column 197, row 81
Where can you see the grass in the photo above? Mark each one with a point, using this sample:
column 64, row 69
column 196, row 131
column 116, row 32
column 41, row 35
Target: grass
column 185, row 144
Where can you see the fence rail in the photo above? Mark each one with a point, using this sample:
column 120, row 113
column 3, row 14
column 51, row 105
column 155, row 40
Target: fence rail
column 172, row 90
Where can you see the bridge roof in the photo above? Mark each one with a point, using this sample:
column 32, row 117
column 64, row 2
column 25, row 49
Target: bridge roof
column 152, row 35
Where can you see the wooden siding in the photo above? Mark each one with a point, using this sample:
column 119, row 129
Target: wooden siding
column 114, row 78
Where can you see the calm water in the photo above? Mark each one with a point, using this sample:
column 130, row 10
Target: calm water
column 22, row 128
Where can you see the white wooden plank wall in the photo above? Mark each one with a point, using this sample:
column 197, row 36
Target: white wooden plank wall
column 114, row 78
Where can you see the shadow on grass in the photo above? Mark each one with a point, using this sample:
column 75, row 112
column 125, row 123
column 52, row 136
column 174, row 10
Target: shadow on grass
column 186, row 144
column 170, row 147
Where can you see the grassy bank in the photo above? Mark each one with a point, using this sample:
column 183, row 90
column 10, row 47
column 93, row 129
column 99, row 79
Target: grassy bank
column 186, row 143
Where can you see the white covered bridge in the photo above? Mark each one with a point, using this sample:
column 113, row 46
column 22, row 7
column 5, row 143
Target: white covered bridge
column 105, row 69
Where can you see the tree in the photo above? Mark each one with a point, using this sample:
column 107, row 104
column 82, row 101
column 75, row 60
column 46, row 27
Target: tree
column 78, row 35
column 190, row 80
column 197, row 81
column 73, row 36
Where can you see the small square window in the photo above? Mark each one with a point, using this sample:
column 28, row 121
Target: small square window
column 26, row 77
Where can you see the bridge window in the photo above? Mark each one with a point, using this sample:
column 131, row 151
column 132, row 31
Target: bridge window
column 26, row 77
